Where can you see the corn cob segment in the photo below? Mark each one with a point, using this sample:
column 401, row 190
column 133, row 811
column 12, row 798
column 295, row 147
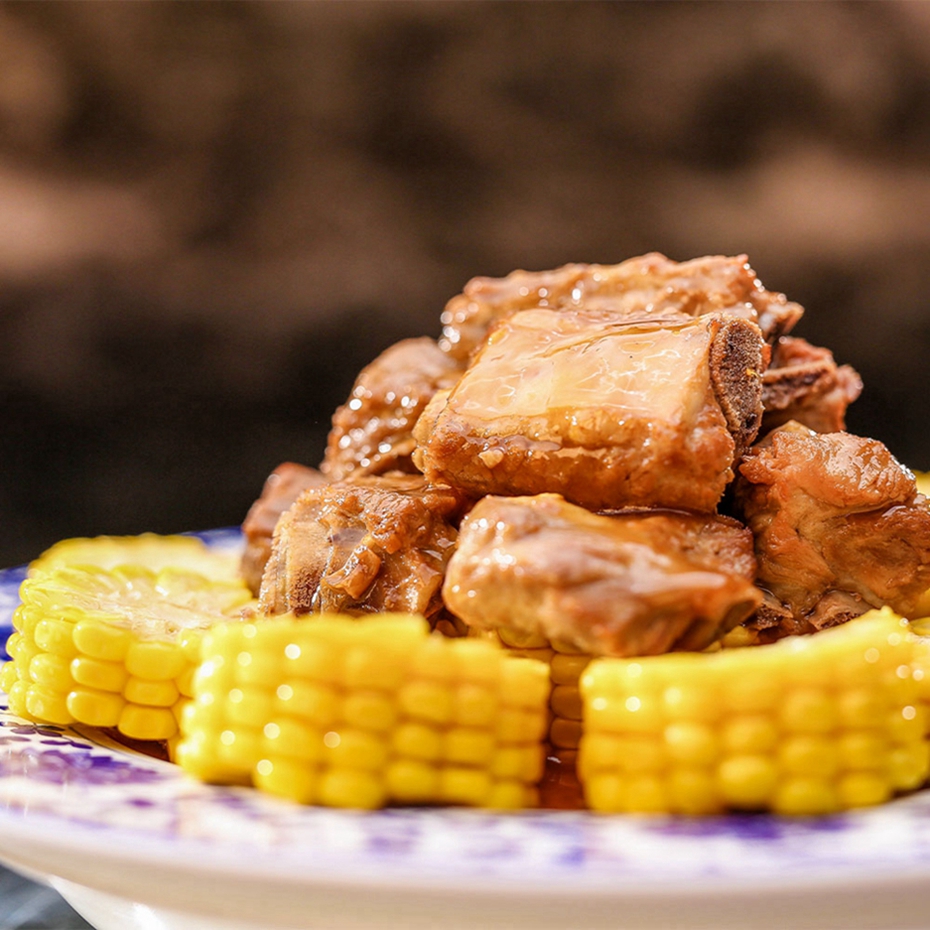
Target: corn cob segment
column 560, row 787
column 364, row 713
column 112, row 648
column 148, row 550
column 809, row 725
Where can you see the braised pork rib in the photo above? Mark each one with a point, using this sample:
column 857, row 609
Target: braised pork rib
column 650, row 286
column 804, row 383
column 838, row 524
column 372, row 432
column 360, row 546
column 605, row 411
column 637, row 583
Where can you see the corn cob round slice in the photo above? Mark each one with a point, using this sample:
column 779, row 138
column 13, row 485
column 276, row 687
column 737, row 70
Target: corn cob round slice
column 809, row 725
column 149, row 550
column 560, row 787
column 362, row 713
column 112, row 648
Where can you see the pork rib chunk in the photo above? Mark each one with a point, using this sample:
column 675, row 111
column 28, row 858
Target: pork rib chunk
column 805, row 384
column 361, row 546
column 636, row 583
column 839, row 527
column 606, row 412
column 282, row 487
column 371, row 432
column 650, row 286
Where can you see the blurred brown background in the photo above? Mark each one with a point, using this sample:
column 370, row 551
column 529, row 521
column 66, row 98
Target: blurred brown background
column 213, row 214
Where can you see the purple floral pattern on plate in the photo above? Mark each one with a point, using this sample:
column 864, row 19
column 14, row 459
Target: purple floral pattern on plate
column 75, row 780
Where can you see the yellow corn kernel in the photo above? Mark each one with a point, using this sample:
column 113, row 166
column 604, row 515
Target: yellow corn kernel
column 155, row 661
column 646, row 794
column 147, row 723
column 520, row 639
column 9, row 676
column 427, row 700
column 54, row 636
column 809, row 725
column 288, row 779
column 373, row 710
column 316, row 703
column 692, row 743
column 518, row 763
column 461, row 785
column 287, row 737
column 99, row 640
column 95, row 708
column 474, row 706
column 565, row 702
column 418, row 741
column 412, row 782
column 806, row 796
column 354, row 749
column 565, row 734
column 509, row 796
column 469, row 746
column 51, row 706
column 51, row 671
column 749, row 735
column 693, row 791
column 151, row 693
column 98, row 674
column 862, row 789
column 351, row 788
column 567, row 669
column 428, row 731
column 17, row 695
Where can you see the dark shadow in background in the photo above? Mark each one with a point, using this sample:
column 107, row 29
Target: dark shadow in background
column 212, row 215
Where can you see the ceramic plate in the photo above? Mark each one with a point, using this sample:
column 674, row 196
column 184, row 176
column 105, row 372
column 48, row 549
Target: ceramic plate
column 133, row 843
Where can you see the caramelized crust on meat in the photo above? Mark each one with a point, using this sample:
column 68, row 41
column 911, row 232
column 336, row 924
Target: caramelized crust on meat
column 372, row 431
column 362, row 546
column 282, row 487
column 650, row 286
column 838, row 523
column 636, row 583
column 606, row 412
column 805, row 384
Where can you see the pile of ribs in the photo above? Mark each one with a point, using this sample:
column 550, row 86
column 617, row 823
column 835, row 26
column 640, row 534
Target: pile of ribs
column 630, row 459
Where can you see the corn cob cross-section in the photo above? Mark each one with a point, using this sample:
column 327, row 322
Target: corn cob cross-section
column 366, row 712
column 148, row 550
column 808, row 725
column 112, row 648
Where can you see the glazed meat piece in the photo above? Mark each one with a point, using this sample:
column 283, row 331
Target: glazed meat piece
column 371, row 432
column 838, row 523
column 605, row 412
column 362, row 546
column 637, row 583
column 648, row 287
column 282, row 487
column 805, row 384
